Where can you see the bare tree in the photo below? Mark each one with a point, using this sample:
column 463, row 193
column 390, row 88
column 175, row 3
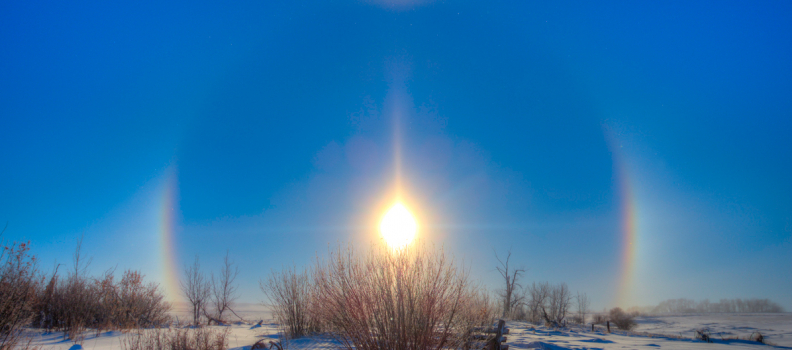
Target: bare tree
column 539, row 294
column 196, row 288
column 508, row 293
column 224, row 291
column 558, row 303
column 582, row 302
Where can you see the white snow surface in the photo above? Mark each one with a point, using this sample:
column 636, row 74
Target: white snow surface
column 776, row 328
column 241, row 337
column 655, row 332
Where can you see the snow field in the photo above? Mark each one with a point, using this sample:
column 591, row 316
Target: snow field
column 654, row 332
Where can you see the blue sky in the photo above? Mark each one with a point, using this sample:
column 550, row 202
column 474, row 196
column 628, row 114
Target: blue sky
column 519, row 124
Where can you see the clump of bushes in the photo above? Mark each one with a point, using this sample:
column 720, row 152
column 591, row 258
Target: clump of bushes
column 621, row 319
column 78, row 302
column 410, row 299
column 177, row 339
column 74, row 303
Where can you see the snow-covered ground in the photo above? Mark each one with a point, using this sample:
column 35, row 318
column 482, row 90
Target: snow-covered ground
column 658, row 332
column 777, row 328
column 252, row 312
column 524, row 336
column 241, row 337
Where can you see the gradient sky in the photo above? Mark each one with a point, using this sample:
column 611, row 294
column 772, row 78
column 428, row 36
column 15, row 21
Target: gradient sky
column 562, row 131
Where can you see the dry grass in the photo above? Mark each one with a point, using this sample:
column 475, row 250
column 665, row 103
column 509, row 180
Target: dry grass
column 201, row 338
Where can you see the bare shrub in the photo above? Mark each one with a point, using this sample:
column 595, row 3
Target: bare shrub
column 703, row 334
column 290, row 294
column 78, row 302
column 200, row 338
column 621, row 319
column 267, row 344
column 139, row 304
column 510, row 296
column 197, row 289
column 18, row 284
column 409, row 299
column 72, row 304
column 483, row 311
column 224, row 291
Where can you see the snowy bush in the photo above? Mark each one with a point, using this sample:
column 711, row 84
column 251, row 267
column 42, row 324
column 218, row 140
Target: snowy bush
column 621, row 319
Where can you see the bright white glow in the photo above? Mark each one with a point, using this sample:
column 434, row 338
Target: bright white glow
column 398, row 227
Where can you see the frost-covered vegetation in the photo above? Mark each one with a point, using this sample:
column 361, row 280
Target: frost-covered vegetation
column 537, row 302
column 177, row 339
column 413, row 299
column 680, row 306
column 379, row 299
column 73, row 302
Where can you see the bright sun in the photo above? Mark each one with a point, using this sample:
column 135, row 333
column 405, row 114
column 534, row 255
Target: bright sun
column 398, row 227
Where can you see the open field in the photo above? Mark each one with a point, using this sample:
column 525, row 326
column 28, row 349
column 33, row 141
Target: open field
column 777, row 328
column 526, row 336
column 241, row 337
column 251, row 312
column 653, row 332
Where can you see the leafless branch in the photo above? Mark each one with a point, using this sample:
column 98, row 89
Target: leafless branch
column 224, row 291
column 196, row 288
column 510, row 298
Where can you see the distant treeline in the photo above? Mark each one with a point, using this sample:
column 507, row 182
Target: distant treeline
column 705, row 306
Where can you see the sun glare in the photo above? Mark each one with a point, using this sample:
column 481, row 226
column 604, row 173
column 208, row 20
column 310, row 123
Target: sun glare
column 398, row 227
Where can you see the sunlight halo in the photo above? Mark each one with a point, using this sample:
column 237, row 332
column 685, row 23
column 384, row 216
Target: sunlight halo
column 398, row 227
